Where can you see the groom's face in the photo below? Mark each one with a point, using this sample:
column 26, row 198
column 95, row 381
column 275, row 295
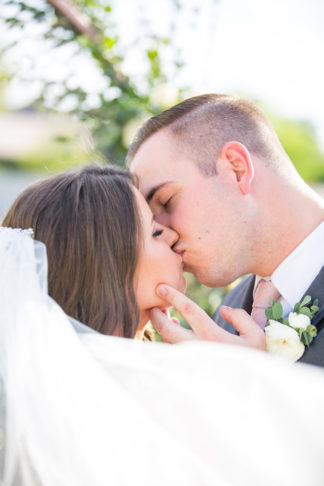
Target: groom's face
column 204, row 211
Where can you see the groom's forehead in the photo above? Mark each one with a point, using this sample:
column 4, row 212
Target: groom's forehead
column 160, row 149
column 151, row 182
column 155, row 176
column 155, row 164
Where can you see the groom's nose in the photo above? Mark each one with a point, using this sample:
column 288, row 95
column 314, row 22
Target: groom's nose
column 163, row 219
column 170, row 236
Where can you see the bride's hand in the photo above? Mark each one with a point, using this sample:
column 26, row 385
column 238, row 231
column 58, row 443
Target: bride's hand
column 203, row 327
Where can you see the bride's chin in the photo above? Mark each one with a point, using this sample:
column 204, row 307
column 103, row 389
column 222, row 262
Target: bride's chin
column 144, row 319
column 183, row 285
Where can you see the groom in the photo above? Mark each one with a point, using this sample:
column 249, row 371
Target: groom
column 213, row 169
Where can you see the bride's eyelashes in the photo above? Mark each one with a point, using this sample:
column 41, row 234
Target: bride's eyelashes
column 157, row 233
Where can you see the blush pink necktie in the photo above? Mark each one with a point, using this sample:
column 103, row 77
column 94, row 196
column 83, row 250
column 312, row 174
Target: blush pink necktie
column 264, row 293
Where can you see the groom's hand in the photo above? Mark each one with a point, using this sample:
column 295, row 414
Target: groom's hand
column 203, row 327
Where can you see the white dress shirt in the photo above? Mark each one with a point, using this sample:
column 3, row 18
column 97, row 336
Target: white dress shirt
column 296, row 273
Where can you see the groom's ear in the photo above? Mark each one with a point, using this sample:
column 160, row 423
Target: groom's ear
column 237, row 157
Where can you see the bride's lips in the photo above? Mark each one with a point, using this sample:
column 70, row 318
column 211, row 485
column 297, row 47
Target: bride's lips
column 180, row 253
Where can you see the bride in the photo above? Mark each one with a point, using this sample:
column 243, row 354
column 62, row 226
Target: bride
column 106, row 254
column 80, row 408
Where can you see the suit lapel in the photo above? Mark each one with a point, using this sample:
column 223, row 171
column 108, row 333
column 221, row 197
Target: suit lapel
column 316, row 291
column 245, row 301
column 239, row 297
column 247, row 297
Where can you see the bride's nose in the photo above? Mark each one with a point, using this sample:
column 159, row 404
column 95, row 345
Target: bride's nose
column 170, row 236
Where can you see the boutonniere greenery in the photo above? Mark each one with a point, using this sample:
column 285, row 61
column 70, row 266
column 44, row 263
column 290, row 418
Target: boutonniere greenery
column 287, row 337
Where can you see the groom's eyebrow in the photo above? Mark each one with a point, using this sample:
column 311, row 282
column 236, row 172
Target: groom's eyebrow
column 150, row 195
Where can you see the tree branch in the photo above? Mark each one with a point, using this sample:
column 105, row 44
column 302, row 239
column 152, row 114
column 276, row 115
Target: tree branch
column 79, row 21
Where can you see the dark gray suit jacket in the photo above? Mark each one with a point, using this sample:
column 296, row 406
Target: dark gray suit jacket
column 241, row 296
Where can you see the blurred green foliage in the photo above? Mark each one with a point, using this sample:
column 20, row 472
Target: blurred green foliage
column 110, row 115
column 113, row 115
column 299, row 141
column 207, row 298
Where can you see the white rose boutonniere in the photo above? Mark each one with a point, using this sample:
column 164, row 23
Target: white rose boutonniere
column 301, row 321
column 288, row 337
column 283, row 341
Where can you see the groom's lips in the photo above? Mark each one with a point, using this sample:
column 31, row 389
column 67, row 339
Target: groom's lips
column 181, row 253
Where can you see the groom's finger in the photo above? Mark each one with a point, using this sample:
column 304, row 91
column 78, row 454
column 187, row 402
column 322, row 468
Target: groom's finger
column 250, row 332
column 170, row 331
column 201, row 324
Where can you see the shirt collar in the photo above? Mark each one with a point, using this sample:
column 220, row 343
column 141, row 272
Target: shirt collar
column 296, row 273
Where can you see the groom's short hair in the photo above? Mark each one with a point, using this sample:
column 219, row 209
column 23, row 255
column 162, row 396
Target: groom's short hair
column 203, row 124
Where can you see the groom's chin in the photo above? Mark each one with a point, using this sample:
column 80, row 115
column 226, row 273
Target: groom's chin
column 209, row 278
column 205, row 276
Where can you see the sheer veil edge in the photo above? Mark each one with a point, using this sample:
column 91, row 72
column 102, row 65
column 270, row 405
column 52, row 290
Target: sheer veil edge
column 82, row 408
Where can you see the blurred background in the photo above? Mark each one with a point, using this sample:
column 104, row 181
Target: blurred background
column 77, row 79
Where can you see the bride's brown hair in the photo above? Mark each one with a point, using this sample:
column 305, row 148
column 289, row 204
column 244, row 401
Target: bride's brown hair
column 89, row 221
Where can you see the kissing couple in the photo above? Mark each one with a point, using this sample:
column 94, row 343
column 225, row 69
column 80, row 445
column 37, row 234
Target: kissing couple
column 210, row 191
column 225, row 201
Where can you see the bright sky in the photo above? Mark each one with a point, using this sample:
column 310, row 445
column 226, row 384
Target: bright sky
column 272, row 50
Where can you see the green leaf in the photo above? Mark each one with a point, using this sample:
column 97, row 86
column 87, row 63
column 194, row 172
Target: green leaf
column 268, row 313
column 316, row 302
column 297, row 306
column 109, row 42
column 314, row 308
column 152, row 54
column 277, row 310
column 306, row 311
column 286, row 321
column 307, row 299
column 311, row 330
column 306, row 339
column 308, row 335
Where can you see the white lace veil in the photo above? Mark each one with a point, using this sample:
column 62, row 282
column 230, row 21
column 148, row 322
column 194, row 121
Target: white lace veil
column 80, row 409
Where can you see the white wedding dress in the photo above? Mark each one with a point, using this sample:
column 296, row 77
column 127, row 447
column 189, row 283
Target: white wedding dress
column 82, row 409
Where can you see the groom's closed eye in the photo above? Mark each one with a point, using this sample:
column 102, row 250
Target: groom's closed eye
column 163, row 197
column 162, row 194
column 154, row 191
column 165, row 205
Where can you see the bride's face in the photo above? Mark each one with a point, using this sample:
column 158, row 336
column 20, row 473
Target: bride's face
column 157, row 263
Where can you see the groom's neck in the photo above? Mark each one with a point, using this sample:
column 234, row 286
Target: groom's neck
column 290, row 210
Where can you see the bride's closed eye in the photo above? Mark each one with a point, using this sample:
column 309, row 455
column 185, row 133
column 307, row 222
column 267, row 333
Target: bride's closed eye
column 157, row 233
